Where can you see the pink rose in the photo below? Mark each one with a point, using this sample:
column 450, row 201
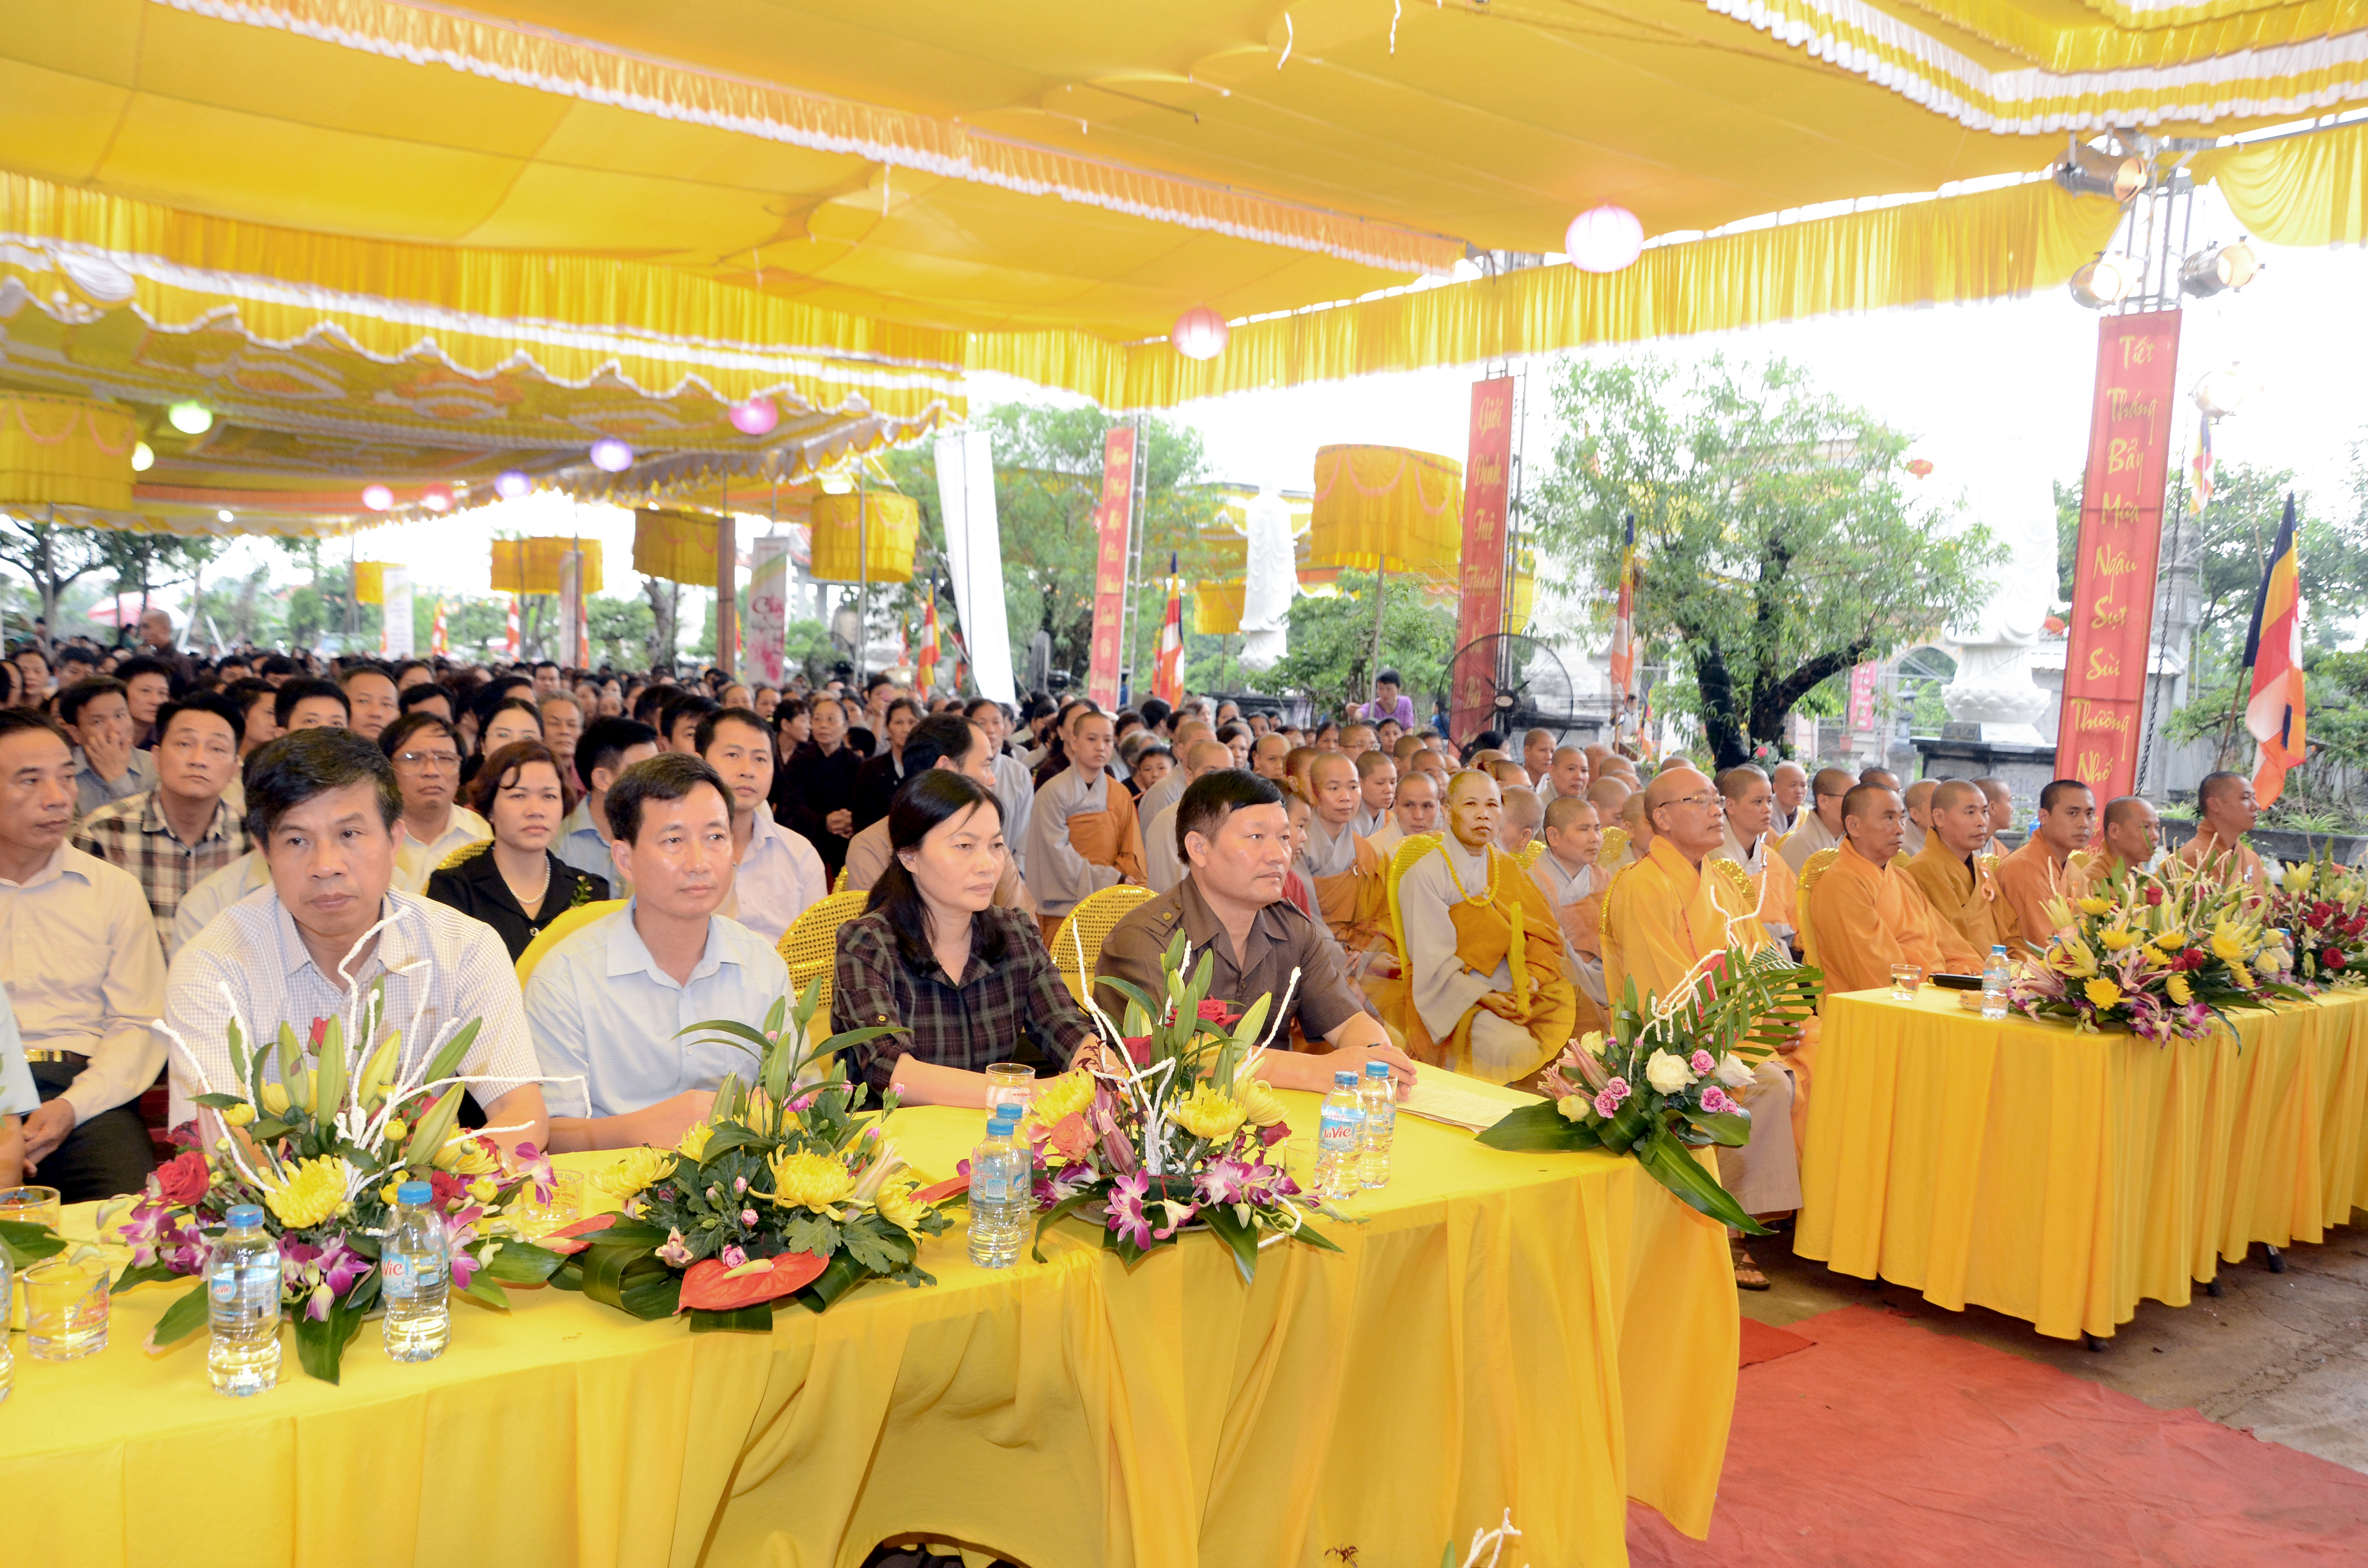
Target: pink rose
column 183, row 1179
column 1072, row 1137
column 1618, row 1089
column 1606, row 1105
column 1701, row 1064
column 1714, row 1100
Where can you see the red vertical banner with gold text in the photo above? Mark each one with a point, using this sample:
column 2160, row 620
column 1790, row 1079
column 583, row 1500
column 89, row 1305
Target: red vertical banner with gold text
column 1487, row 474
column 1113, row 515
column 2121, row 533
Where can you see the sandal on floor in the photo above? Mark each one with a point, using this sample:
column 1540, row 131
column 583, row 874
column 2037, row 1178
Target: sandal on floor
column 1746, row 1273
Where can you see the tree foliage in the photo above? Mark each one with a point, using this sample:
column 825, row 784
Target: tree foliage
column 1778, row 544
column 1332, row 644
column 51, row 556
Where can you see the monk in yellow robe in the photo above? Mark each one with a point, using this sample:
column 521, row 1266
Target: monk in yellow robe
column 2042, row 870
column 1483, row 953
column 2227, row 812
column 1956, row 878
column 2129, row 841
column 1570, row 880
column 1663, row 916
column 1344, row 871
column 1082, row 832
column 1865, row 915
column 1749, row 800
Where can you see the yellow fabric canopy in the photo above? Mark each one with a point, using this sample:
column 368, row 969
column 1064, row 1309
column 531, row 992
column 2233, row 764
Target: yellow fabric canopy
column 66, row 451
column 1387, row 508
column 2303, row 191
column 532, row 566
column 677, row 545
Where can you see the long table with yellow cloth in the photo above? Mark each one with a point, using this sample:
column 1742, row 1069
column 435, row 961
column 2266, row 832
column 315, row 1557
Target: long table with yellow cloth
column 1553, row 1333
column 2061, row 1177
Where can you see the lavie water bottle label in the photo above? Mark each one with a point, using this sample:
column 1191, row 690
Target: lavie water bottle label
column 1338, row 1129
column 990, row 1185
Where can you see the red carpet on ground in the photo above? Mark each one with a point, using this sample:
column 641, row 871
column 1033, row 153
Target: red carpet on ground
column 1762, row 1342
column 1888, row 1446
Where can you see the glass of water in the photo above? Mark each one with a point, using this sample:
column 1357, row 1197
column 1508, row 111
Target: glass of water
column 1010, row 1083
column 1905, row 978
column 65, row 1309
column 31, row 1205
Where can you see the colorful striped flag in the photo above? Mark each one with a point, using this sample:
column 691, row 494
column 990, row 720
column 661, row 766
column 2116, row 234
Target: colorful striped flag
column 1623, row 621
column 1168, row 668
column 2201, row 497
column 514, row 626
column 924, row 668
column 2273, row 652
column 438, row 642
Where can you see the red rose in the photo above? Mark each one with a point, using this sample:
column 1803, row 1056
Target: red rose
column 320, row 1033
column 448, row 1189
column 183, row 1179
column 1139, row 1047
column 1218, row 1013
column 2333, row 958
column 2154, row 895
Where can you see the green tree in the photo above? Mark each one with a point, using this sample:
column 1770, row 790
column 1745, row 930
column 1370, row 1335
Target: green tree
column 1048, row 468
column 1778, row 545
column 621, row 631
column 1332, row 644
column 51, row 556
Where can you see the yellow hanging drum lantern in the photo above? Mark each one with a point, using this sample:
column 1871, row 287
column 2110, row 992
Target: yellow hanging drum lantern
column 1387, row 508
column 865, row 535
column 64, row 451
column 1217, row 607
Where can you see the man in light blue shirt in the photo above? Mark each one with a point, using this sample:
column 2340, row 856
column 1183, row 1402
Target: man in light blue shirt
column 18, row 1097
column 605, row 750
column 606, row 1006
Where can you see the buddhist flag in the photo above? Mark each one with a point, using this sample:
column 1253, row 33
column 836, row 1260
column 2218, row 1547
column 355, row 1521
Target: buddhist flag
column 513, row 627
column 2273, row 652
column 1623, row 620
column 437, row 641
column 1167, row 669
column 2201, row 497
column 924, row 668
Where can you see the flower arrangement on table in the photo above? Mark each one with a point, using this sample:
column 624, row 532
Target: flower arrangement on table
column 321, row 1150
column 789, row 1191
column 2163, row 954
column 1172, row 1127
column 2324, row 906
column 1664, row 1082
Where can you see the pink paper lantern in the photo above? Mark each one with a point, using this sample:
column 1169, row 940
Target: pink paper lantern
column 612, row 455
column 377, row 497
column 755, row 417
column 1199, row 334
column 512, row 485
column 1603, row 239
column 437, row 498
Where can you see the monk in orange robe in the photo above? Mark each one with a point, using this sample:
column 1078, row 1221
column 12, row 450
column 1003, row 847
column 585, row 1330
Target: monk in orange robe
column 1865, row 915
column 1956, row 878
column 2228, row 811
column 1345, row 870
column 1566, row 874
column 1483, row 953
column 2043, row 868
column 1082, row 832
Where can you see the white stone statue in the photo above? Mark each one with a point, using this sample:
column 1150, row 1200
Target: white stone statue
column 1271, row 581
column 1994, row 687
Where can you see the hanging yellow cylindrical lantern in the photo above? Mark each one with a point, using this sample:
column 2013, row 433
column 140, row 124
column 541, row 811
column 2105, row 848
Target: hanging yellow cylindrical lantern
column 867, row 536
column 1387, row 508
column 64, row 451
column 1525, row 592
column 1217, row 607
column 370, row 582
column 679, row 547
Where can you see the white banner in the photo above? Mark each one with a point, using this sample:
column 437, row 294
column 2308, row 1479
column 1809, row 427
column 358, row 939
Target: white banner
column 975, row 557
column 568, row 649
column 768, row 595
column 394, row 638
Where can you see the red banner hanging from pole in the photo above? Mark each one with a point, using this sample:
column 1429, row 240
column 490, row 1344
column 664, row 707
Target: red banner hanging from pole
column 2120, row 534
column 1111, row 518
column 1487, row 478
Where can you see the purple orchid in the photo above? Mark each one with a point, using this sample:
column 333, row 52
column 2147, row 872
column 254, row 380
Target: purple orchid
column 676, row 1253
column 528, row 1161
column 1225, row 1181
column 459, row 1235
column 1126, row 1216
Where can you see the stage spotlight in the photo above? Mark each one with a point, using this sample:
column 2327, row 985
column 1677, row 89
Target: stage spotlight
column 2216, row 268
column 2092, row 171
column 2222, row 392
column 2104, row 282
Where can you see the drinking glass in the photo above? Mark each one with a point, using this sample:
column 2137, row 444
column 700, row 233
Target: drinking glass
column 1905, row 978
column 566, row 1197
column 65, row 1309
column 1010, row 1083
column 31, row 1205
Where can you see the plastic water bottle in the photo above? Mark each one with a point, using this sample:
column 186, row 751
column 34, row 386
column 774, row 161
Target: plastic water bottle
column 1339, row 1132
column 243, row 1305
column 1998, row 981
column 999, row 1196
column 415, row 1277
column 1379, row 1099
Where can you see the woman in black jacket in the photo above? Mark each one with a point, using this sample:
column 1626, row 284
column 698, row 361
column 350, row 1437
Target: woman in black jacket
column 514, row 883
column 813, row 794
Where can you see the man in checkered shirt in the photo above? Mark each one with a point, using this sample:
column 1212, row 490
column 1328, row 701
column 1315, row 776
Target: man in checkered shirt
column 174, row 836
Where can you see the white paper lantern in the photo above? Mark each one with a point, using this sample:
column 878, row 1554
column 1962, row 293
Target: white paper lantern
column 1603, row 239
column 1199, row 334
column 377, row 497
column 612, row 455
column 512, row 485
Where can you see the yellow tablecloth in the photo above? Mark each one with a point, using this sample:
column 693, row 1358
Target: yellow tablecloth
column 1548, row 1333
column 2060, row 1177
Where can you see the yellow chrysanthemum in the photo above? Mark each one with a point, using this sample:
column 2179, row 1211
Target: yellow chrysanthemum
column 314, row 1191
column 465, row 1156
column 807, row 1180
column 897, row 1206
column 2073, row 957
column 239, row 1115
column 2103, row 992
column 396, row 1131
column 640, row 1169
column 2178, row 990
column 2241, row 975
column 694, row 1146
column 1064, row 1096
column 275, row 1099
column 389, row 1193
column 1260, row 1105
column 484, row 1189
column 1208, row 1114
column 2117, row 937
column 2229, row 943
column 2171, row 941
column 2093, row 905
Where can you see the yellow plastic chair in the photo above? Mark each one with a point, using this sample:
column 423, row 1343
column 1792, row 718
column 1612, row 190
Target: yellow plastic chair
column 1532, row 850
column 1402, row 860
column 810, row 947
column 1733, row 874
column 466, row 853
column 550, row 936
column 838, row 883
column 1814, row 867
column 1078, row 941
column 1614, row 846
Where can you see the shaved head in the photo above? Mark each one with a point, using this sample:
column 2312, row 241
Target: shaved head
column 1607, row 795
column 1864, row 798
column 1951, row 793
column 1207, row 756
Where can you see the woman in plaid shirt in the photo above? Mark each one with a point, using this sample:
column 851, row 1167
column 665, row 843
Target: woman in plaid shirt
column 963, row 983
